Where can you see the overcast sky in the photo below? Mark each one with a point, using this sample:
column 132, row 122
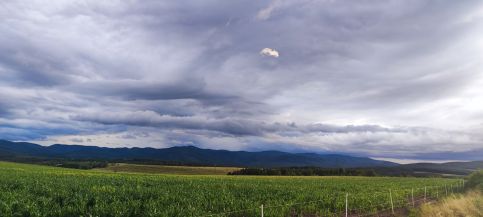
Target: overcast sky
column 398, row 79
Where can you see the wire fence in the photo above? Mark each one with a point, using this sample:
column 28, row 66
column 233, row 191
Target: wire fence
column 412, row 197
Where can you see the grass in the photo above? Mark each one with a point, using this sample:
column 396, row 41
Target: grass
column 161, row 169
column 470, row 204
column 31, row 190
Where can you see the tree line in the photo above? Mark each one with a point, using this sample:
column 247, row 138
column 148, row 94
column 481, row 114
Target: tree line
column 304, row 171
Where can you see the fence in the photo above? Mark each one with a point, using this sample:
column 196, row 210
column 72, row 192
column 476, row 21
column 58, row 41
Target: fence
column 407, row 198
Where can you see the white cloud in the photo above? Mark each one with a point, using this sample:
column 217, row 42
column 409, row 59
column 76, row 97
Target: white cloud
column 265, row 13
column 269, row 52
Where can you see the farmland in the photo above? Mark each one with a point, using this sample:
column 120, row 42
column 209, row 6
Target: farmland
column 163, row 169
column 29, row 190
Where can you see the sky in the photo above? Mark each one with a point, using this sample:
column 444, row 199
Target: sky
column 388, row 79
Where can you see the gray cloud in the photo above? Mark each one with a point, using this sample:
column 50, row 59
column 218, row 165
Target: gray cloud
column 144, row 90
column 230, row 126
column 3, row 109
column 376, row 77
column 149, row 118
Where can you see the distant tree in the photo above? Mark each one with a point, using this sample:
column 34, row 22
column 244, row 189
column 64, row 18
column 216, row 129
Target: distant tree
column 304, row 171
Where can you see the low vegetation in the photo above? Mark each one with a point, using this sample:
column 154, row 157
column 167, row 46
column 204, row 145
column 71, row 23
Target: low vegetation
column 470, row 204
column 32, row 190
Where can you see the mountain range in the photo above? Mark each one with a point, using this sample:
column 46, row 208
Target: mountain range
column 191, row 155
column 188, row 155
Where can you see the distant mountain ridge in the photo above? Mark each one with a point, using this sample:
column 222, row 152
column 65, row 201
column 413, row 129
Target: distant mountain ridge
column 189, row 155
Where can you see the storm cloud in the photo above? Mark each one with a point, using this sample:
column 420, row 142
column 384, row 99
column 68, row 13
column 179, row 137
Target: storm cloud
column 386, row 79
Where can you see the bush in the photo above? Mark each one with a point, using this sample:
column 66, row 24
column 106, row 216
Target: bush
column 475, row 180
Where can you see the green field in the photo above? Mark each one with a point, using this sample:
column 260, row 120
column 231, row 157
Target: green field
column 162, row 169
column 30, row 190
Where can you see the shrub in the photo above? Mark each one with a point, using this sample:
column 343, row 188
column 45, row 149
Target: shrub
column 475, row 180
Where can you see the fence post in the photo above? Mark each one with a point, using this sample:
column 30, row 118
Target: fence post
column 425, row 194
column 261, row 209
column 412, row 195
column 346, row 204
column 446, row 189
column 392, row 204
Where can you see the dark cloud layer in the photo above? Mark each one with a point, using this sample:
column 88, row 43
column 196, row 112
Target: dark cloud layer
column 142, row 90
column 375, row 78
column 230, row 126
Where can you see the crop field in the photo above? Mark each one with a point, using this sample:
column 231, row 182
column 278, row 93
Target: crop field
column 30, row 190
column 162, row 169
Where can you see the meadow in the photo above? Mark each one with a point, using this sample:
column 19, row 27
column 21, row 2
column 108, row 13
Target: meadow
column 31, row 190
